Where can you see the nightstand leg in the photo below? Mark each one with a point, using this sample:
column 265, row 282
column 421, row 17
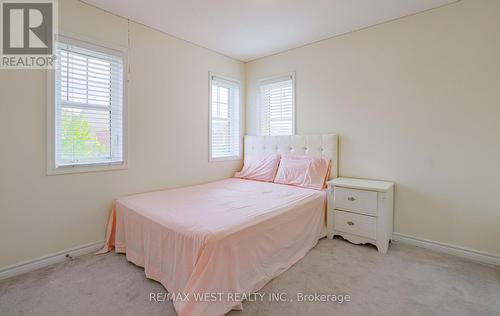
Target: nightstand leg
column 383, row 246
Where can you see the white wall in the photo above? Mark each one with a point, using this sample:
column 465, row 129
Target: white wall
column 416, row 101
column 168, row 137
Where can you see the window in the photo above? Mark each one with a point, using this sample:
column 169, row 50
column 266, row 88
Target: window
column 87, row 116
column 277, row 106
column 224, row 118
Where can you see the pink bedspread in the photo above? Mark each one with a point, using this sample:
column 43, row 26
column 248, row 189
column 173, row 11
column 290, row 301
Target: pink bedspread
column 230, row 236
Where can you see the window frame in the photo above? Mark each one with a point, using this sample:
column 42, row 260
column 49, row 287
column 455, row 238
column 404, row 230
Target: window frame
column 270, row 80
column 98, row 46
column 236, row 82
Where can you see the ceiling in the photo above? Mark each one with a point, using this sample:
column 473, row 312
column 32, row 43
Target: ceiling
column 247, row 30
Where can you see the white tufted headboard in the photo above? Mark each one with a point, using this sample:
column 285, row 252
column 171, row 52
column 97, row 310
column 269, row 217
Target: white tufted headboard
column 311, row 145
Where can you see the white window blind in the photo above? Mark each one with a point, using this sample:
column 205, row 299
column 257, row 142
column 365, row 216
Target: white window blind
column 277, row 106
column 224, row 119
column 88, row 105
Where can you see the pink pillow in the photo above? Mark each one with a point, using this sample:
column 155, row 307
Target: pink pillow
column 259, row 167
column 303, row 171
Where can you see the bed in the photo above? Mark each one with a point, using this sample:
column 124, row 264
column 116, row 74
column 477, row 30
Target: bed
column 208, row 244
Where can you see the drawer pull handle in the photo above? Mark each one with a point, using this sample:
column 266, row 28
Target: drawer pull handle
column 351, row 198
column 350, row 223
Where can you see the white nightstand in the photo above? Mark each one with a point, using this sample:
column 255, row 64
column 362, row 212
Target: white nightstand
column 361, row 211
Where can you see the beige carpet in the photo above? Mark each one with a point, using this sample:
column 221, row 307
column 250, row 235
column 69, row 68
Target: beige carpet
column 406, row 281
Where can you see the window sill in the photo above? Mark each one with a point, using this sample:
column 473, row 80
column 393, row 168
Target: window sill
column 86, row 168
column 232, row 158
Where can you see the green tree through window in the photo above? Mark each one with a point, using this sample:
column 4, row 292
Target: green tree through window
column 77, row 139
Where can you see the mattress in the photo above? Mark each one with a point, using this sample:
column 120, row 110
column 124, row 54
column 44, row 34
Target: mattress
column 227, row 238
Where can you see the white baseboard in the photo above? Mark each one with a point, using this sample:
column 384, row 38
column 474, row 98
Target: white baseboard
column 34, row 264
column 47, row 260
column 471, row 254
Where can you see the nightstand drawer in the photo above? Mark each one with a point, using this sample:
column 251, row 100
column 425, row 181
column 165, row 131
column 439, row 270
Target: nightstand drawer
column 361, row 225
column 356, row 200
